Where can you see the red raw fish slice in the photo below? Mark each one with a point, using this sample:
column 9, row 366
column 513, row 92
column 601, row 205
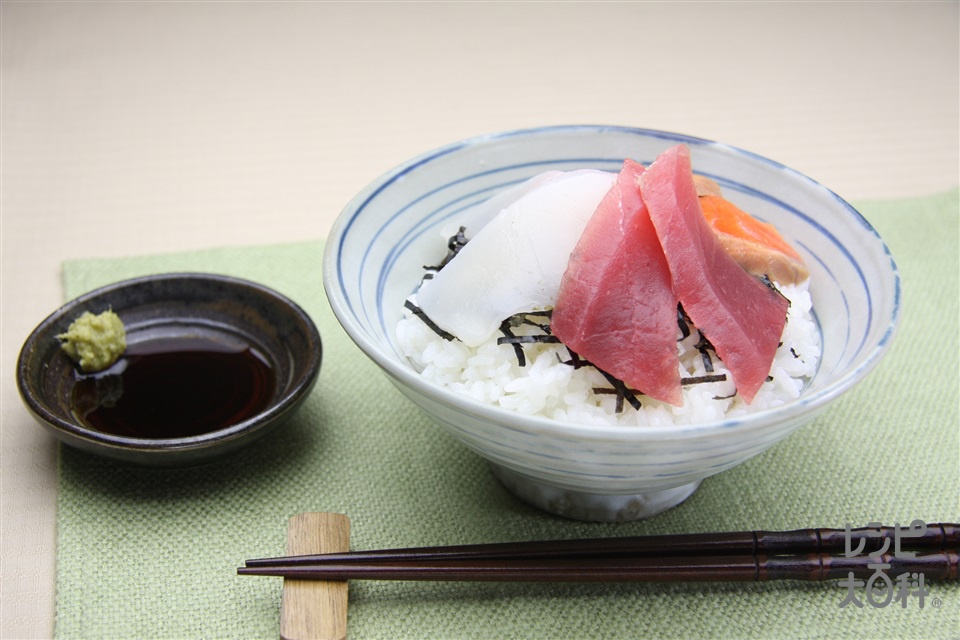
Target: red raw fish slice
column 741, row 317
column 616, row 306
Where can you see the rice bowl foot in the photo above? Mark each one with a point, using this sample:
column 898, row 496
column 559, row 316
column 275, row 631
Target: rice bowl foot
column 591, row 507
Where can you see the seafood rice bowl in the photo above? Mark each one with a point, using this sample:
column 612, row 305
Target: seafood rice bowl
column 610, row 315
column 464, row 335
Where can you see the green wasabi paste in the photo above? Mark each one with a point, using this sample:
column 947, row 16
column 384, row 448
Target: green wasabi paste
column 95, row 341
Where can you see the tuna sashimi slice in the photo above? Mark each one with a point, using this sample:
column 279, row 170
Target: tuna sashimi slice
column 741, row 317
column 616, row 306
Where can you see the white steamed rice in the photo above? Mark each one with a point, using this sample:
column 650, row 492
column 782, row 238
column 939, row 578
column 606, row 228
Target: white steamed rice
column 491, row 374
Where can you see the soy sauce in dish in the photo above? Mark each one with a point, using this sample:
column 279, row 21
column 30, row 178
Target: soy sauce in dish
column 175, row 387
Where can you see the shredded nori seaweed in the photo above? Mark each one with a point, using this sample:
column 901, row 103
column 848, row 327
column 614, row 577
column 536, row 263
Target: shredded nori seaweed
column 543, row 326
column 622, row 390
column 704, row 347
column 507, row 328
column 717, row 377
column 417, row 311
column 454, row 244
column 770, row 284
column 683, row 322
column 575, row 361
column 520, row 319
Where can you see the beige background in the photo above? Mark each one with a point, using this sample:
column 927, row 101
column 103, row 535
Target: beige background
column 140, row 127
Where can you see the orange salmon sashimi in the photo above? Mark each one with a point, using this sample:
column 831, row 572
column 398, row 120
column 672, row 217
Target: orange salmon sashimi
column 756, row 246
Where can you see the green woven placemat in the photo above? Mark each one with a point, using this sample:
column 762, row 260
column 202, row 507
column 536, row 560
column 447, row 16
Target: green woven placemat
column 150, row 553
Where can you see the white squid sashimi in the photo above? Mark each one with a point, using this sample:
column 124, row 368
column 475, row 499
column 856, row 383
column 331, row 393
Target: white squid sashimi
column 515, row 262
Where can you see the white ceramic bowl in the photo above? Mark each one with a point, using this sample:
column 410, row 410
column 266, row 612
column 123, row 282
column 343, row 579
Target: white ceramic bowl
column 376, row 250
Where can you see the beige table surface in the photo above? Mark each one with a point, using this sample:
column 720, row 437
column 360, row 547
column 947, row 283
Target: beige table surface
column 139, row 127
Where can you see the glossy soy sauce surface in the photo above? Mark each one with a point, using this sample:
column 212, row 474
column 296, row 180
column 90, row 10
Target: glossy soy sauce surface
column 174, row 387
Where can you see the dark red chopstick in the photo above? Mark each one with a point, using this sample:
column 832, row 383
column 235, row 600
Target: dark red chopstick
column 936, row 537
column 759, row 555
column 717, row 568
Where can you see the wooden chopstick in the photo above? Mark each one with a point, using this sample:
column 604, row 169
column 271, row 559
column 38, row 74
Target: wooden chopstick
column 808, row 554
column 936, row 537
column 716, row 568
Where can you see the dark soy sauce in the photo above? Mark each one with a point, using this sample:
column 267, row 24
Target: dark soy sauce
column 175, row 387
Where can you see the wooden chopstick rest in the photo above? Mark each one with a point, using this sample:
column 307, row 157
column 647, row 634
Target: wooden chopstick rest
column 315, row 609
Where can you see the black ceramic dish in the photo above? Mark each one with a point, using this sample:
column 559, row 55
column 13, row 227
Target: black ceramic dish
column 174, row 306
